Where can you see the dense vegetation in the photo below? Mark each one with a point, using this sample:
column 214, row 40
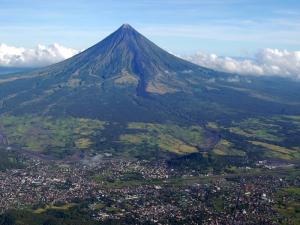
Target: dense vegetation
column 289, row 204
column 253, row 138
column 76, row 214
column 69, row 136
column 9, row 159
column 269, row 137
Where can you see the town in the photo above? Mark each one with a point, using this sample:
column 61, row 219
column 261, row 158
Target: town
column 145, row 192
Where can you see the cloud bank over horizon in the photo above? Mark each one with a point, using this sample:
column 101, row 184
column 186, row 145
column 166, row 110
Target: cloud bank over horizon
column 39, row 56
column 266, row 62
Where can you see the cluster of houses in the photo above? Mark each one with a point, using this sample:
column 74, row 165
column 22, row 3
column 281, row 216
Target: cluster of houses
column 141, row 190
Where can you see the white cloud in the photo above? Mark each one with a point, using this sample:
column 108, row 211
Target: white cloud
column 266, row 62
column 39, row 56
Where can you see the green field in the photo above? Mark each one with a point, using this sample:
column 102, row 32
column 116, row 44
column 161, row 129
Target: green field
column 274, row 137
column 289, row 204
column 51, row 136
column 66, row 136
column 172, row 138
column 225, row 148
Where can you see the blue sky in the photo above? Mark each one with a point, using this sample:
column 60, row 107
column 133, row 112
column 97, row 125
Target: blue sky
column 224, row 27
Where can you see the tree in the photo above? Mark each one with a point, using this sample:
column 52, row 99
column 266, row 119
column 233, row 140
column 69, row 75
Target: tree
column 7, row 219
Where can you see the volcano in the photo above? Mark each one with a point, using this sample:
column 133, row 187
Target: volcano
column 126, row 77
column 128, row 58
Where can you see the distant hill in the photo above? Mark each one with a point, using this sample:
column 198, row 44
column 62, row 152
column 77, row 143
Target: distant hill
column 13, row 70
